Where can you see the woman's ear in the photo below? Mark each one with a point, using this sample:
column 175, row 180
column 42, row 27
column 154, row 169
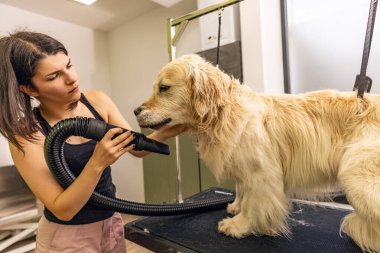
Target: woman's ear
column 28, row 90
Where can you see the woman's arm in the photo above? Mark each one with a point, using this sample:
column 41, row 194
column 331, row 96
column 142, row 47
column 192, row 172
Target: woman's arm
column 65, row 204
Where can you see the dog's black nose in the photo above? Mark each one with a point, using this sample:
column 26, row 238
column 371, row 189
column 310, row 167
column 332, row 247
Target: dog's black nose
column 137, row 111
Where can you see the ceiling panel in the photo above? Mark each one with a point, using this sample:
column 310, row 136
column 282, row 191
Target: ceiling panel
column 103, row 15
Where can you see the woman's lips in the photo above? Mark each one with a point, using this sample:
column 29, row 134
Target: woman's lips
column 73, row 90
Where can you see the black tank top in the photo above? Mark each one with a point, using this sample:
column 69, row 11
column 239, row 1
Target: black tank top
column 77, row 156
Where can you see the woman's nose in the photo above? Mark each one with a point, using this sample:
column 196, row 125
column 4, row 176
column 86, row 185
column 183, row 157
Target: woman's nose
column 71, row 77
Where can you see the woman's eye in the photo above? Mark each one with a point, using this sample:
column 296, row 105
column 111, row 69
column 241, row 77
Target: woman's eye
column 164, row 88
column 52, row 77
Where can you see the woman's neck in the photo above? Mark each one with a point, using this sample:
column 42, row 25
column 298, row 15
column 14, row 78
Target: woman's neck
column 56, row 113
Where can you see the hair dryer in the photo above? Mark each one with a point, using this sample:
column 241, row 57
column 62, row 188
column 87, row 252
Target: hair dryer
column 96, row 129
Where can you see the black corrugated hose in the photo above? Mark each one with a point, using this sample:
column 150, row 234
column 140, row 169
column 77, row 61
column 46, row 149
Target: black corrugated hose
column 95, row 129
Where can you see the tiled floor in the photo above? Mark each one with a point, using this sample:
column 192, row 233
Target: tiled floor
column 132, row 247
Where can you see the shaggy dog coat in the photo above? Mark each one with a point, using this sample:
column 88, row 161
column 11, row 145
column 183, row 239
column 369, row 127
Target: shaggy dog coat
column 275, row 145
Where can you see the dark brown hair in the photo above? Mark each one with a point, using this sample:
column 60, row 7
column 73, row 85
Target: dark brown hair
column 20, row 53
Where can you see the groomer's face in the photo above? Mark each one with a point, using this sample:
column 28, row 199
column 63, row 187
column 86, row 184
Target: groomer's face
column 56, row 79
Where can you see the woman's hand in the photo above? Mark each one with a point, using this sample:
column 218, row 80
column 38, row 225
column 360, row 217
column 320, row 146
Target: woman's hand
column 161, row 135
column 109, row 149
column 167, row 132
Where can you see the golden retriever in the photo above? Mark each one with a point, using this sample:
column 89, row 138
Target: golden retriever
column 275, row 145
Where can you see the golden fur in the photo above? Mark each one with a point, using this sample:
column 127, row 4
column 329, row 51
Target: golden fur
column 275, row 145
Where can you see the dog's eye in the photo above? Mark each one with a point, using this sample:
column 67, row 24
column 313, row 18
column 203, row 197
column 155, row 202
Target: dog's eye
column 164, row 88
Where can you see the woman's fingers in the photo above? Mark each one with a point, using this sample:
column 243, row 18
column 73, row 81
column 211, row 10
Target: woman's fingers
column 116, row 140
column 112, row 132
column 120, row 140
column 112, row 146
column 123, row 145
column 116, row 135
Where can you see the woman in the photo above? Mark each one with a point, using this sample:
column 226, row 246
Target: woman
column 36, row 66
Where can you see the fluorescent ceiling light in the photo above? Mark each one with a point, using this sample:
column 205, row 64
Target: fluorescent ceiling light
column 86, row 2
column 167, row 3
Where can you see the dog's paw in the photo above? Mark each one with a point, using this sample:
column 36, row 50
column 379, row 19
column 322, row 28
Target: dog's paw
column 233, row 208
column 235, row 227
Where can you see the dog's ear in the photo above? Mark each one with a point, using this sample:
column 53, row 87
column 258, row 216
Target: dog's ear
column 208, row 89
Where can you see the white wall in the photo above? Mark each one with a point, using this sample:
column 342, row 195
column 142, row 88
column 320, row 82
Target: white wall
column 209, row 24
column 261, row 45
column 138, row 50
column 86, row 48
column 326, row 40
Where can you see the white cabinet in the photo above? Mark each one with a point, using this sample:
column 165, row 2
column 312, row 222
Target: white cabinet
column 5, row 156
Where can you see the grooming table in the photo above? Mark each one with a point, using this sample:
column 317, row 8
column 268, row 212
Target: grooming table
column 314, row 226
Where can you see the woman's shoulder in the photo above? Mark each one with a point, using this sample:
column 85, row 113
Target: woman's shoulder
column 36, row 142
column 100, row 101
column 97, row 97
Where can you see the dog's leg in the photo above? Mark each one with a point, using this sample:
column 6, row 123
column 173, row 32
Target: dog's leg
column 360, row 229
column 234, row 207
column 264, row 209
column 359, row 175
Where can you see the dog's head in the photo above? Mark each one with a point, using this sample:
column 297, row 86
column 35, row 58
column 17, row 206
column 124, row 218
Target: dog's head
column 186, row 91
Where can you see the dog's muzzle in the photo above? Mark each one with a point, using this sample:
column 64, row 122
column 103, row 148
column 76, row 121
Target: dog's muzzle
column 137, row 111
column 144, row 123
